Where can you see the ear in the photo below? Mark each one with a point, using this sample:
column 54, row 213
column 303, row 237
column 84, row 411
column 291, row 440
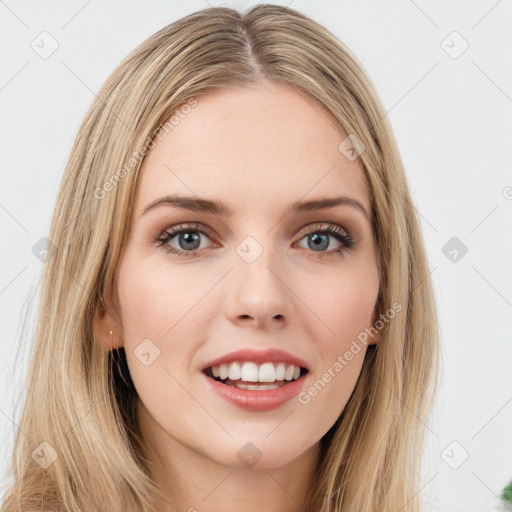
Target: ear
column 106, row 321
column 374, row 339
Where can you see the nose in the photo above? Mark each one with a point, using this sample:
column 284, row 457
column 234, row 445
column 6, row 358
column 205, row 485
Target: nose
column 257, row 295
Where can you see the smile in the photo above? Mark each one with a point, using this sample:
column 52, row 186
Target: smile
column 252, row 376
column 254, row 387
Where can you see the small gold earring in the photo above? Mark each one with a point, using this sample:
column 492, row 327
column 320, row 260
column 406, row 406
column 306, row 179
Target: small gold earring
column 110, row 332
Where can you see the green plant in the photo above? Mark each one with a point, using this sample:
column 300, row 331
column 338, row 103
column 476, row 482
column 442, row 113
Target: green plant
column 506, row 494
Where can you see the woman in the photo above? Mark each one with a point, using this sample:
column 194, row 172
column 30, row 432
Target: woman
column 237, row 311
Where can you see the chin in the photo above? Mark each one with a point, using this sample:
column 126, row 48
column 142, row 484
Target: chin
column 256, row 452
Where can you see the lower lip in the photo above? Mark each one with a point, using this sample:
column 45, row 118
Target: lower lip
column 263, row 400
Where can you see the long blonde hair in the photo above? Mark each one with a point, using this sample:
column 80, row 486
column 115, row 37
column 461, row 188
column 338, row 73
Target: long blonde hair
column 77, row 403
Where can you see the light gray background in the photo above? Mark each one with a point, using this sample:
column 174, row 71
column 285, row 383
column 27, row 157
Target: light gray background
column 451, row 117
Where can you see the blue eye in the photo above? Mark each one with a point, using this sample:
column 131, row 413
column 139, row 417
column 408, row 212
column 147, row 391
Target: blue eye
column 318, row 238
column 188, row 238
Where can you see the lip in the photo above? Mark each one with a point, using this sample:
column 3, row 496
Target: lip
column 258, row 356
column 264, row 400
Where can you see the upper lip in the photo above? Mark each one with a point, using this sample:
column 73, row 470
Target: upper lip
column 259, row 357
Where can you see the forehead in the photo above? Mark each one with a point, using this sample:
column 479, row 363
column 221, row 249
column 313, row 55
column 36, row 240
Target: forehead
column 254, row 146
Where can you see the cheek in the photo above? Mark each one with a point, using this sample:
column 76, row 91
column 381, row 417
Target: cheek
column 164, row 312
column 156, row 297
column 342, row 306
column 157, row 312
column 325, row 397
column 343, row 309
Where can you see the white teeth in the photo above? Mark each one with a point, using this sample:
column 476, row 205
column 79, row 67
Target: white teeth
column 255, row 387
column 235, row 371
column 267, row 373
column 249, row 371
column 223, row 371
column 280, row 371
column 289, row 373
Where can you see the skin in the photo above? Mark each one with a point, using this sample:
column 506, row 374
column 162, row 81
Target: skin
column 256, row 149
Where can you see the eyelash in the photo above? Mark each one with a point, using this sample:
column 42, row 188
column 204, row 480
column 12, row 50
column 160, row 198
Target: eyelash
column 341, row 235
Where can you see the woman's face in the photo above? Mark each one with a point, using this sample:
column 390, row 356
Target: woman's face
column 253, row 274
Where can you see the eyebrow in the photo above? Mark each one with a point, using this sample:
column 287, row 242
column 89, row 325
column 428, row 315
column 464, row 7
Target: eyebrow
column 218, row 208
